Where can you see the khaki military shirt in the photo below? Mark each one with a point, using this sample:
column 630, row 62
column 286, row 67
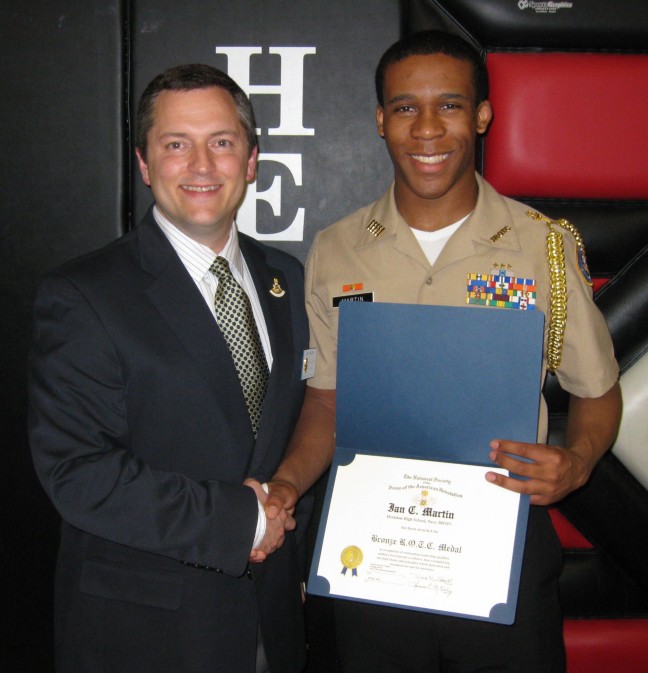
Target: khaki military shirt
column 374, row 252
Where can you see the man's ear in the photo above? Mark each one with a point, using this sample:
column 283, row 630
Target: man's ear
column 484, row 116
column 379, row 121
column 143, row 166
column 251, row 165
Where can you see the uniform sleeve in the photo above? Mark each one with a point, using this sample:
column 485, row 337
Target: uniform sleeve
column 322, row 322
column 79, row 436
column 588, row 366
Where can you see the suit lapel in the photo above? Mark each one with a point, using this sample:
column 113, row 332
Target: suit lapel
column 276, row 311
column 175, row 296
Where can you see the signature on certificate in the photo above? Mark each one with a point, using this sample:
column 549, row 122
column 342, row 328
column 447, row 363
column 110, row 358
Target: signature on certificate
column 439, row 585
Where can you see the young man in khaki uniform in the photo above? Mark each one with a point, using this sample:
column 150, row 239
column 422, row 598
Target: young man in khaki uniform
column 433, row 238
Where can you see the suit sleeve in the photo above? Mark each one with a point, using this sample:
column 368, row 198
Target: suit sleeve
column 79, row 436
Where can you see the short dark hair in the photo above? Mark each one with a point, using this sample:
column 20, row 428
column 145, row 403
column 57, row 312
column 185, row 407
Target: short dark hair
column 187, row 78
column 428, row 42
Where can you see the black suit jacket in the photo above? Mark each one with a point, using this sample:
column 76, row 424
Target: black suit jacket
column 141, row 438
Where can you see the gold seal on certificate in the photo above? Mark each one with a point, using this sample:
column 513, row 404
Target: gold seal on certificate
column 351, row 558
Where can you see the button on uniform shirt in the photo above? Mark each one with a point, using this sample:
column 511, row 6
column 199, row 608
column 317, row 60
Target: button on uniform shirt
column 197, row 258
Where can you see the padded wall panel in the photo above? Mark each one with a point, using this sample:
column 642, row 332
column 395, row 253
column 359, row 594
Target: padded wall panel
column 624, row 303
column 611, row 510
column 506, row 24
column 62, row 195
column 342, row 161
column 593, row 584
column 570, row 538
column 632, row 440
column 558, row 117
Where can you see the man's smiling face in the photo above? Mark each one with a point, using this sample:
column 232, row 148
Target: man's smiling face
column 429, row 122
column 198, row 162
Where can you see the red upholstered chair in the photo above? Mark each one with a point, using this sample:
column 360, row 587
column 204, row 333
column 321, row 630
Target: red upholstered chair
column 606, row 645
column 570, row 138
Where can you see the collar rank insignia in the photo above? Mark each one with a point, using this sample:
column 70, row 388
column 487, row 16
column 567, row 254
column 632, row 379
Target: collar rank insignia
column 276, row 290
column 496, row 237
column 375, row 228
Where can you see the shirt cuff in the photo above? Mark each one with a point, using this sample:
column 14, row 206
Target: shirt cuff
column 261, row 522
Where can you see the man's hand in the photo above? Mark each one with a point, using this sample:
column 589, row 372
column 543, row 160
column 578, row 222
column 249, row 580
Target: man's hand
column 282, row 495
column 553, row 471
column 275, row 526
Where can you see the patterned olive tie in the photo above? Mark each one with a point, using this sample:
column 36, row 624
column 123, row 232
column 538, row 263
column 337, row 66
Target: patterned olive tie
column 236, row 321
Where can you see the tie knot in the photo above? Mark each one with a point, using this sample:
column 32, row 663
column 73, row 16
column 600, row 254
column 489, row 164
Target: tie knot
column 221, row 269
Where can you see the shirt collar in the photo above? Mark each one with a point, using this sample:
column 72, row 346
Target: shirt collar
column 196, row 257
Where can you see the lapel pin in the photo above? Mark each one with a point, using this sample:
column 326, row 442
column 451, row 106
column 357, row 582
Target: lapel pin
column 276, row 290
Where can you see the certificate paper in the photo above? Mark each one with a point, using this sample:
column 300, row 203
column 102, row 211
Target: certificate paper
column 425, row 535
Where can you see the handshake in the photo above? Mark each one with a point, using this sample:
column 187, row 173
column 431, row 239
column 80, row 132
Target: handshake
column 278, row 500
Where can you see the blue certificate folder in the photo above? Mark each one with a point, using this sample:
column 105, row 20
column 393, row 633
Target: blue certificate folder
column 435, row 383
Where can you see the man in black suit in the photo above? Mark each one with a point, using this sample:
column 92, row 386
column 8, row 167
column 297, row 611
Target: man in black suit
column 144, row 431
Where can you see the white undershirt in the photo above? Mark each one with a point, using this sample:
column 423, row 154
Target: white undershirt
column 197, row 258
column 433, row 242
